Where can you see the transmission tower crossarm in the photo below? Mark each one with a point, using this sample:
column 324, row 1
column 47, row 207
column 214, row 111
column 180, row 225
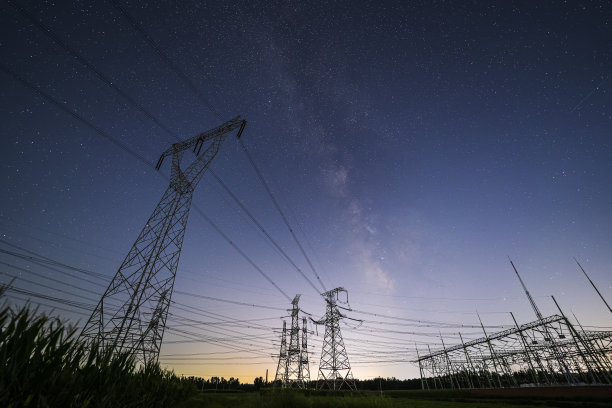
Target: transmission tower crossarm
column 196, row 142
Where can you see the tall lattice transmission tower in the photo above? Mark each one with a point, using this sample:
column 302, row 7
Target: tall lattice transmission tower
column 131, row 315
column 334, row 368
column 293, row 369
column 293, row 351
column 281, row 368
column 304, row 371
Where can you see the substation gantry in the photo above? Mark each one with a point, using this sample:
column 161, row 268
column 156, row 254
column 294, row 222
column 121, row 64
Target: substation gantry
column 547, row 351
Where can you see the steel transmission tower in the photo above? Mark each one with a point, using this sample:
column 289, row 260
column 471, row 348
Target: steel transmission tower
column 293, row 352
column 304, row 373
column 281, row 368
column 292, row 369
column 334, row 368
column 131, row 315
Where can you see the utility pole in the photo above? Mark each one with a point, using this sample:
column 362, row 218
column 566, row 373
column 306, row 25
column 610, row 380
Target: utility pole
column 131, row 314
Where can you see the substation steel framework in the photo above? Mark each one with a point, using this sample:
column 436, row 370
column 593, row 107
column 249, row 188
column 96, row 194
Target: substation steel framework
column 131, row 314
column 334, row 367
column 543, row 352
column 293, row 370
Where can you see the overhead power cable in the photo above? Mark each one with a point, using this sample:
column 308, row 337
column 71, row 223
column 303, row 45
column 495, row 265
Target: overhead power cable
column 109, row 82
column 65, row 292
column 72, row 303
column 262, row 229
column 240, row 251
column 227, row 301
column 52, row 307
column 41, row 259
column 49, row 278
column 79, row 57
column 124, row 147
column 282, row 214
column 153, row 44
column 86, row 307
column 3, row 218
column 44, row 261
column 204, row 353
column 75, row 115
column 191, row 86
column 133, row 102
column 426, row 322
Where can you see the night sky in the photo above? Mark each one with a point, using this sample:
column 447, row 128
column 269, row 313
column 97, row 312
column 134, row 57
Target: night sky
column 413, row 147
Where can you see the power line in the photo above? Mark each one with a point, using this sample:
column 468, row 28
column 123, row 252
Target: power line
column 36, row 258
column 262, row 229
column 122, row 146
column 79, row 305
column 49, row 278
column 88, row 308
column 75, row 115
column 240, row 251
column 29, row 300
column 164, row 57
column 82, row 306
column 138, row 27
column 80, row 241
column 43, row 260
column 108, row 81
column 203, row 353
column 227, row 301
column 282, row 214
column 427, row 322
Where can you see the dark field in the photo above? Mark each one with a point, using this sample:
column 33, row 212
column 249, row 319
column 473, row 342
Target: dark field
column 585, row 397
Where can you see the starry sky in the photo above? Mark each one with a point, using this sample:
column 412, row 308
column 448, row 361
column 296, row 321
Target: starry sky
column 412, row 146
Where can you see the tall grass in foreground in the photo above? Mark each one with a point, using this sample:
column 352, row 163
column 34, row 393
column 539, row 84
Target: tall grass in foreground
column 43, row 364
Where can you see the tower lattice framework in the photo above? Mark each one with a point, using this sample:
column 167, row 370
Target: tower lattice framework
column 304, row 373
column 293, row 369
column 293, row 351
column 334, row 367
column 131, row 314
column 281, row 368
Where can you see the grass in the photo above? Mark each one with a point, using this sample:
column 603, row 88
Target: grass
column 286, row 398
column 367, row 399
column 43, row 364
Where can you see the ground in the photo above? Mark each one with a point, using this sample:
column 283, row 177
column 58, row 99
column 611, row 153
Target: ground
column 398, row 399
